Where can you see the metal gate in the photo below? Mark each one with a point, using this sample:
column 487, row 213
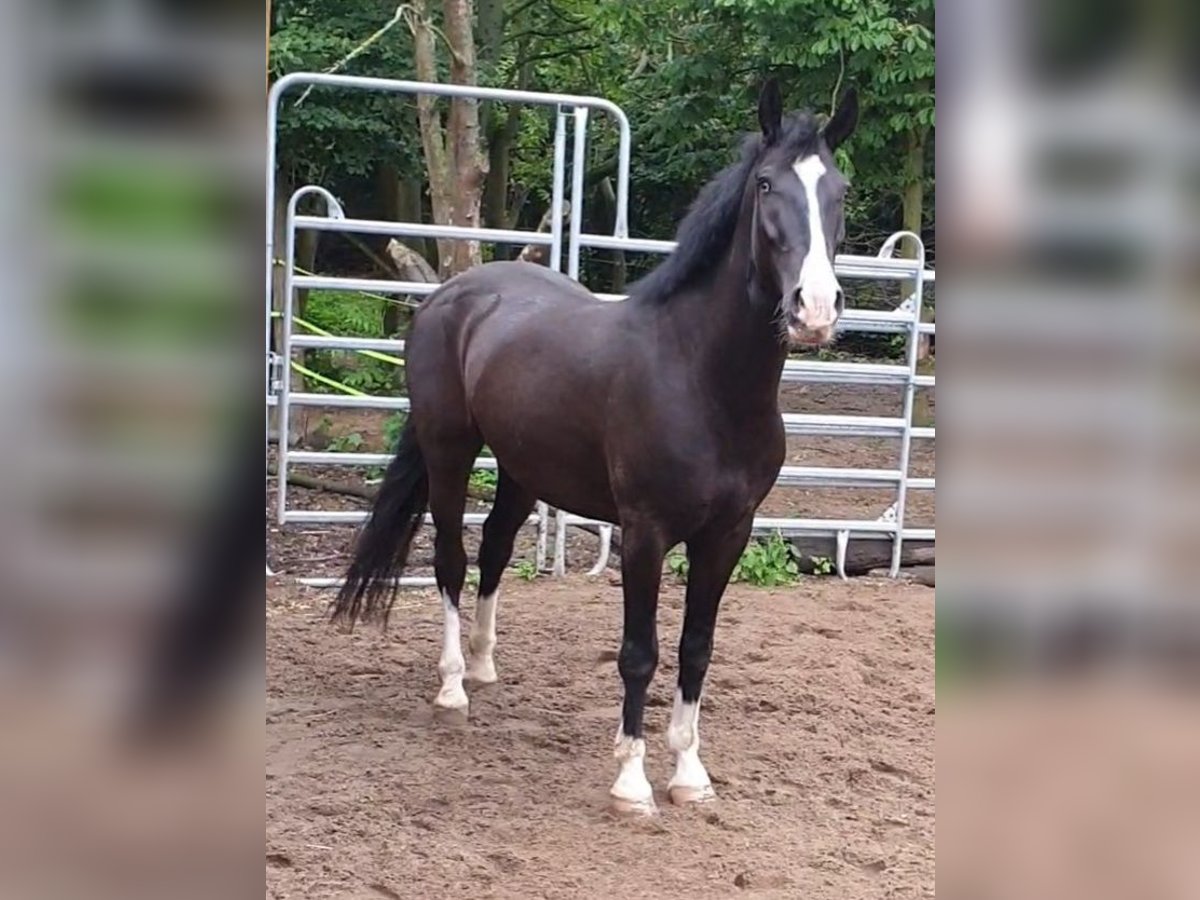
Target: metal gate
column 575, row 110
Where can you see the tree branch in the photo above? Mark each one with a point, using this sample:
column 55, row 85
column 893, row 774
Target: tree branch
column 548, row 35
column 400, row 13
column 524, row 6
column 570, row 51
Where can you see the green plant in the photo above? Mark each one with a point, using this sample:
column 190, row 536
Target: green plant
column 821, row 565
column 767, row 563
column 677, row 562
column 472, row 579
column 347, row 443
column 392, row 428
column 345, row 313
column 483, row 479
column 526, row 570
column 772, row 562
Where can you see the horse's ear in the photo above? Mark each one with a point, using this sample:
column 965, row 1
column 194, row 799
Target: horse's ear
column 842, row 125
column 770, row 110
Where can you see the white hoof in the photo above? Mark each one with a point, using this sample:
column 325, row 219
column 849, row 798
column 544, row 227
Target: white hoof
column 482, row 671
column 682, row 794
column 451, row 709
column 631, row 793
column 625, row 806
column 452, row 697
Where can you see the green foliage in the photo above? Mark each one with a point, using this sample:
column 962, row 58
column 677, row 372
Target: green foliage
column 483, row 479
column 770, row 562
column 347, row 443
column 526, row 570
column 685, row 71
column 392, row 427
column 339, row 133
column 821, row 565
column 345, row 313
column 677, row 562
column 349, row 314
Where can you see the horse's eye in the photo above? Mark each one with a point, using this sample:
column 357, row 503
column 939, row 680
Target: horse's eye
column 764, row 186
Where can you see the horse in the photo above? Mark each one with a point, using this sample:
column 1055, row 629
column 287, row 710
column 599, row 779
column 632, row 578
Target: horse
column 658, row 413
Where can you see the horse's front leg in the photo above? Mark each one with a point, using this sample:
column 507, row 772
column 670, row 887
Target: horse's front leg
column 642, row 553
column 712, row 556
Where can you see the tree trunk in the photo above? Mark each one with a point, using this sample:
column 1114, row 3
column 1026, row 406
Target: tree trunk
column 913, row 197
column 862, row 556
column 913, row 209
column 433, row 142
column 283, row 193
column 501, row 139
column 453, row 159
column 491, row 35
column 402, row 198
column 468, row 163
column 620, row 270
column 495, row 192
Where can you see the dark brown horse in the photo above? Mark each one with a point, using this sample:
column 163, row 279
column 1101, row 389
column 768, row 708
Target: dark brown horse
column 659, row 413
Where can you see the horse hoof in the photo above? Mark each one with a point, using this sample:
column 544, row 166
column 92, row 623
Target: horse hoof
column 451, row 706
column 683, row 794
column 482, row 673
column 623, row 806
column 451, row 715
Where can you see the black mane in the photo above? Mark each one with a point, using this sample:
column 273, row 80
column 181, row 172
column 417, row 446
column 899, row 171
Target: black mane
column 707, row 229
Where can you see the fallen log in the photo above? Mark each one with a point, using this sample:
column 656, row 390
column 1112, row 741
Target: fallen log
column 364, row 491
column 861, row 555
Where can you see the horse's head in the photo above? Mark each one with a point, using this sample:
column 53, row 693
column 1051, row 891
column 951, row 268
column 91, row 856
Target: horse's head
column 799, row 218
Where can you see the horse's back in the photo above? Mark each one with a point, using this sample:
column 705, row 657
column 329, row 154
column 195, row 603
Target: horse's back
column 525, row 356
column 515, row 283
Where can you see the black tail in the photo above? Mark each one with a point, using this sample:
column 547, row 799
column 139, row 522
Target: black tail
column 382, row 547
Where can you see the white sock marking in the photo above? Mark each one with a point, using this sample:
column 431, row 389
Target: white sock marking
column 631, row 785
column 683, row 737
column 483, row 639
column 451, row 666
column 818, row 284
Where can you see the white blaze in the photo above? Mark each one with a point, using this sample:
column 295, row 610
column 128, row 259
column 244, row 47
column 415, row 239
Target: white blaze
column 451, row 666
column 818, row 285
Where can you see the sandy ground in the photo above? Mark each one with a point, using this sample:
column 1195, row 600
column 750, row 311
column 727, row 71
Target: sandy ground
column 817, row 725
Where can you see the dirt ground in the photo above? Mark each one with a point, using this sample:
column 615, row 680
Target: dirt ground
column 817, row 730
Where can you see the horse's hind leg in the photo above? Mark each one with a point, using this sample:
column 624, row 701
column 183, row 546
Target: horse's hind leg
column 509, row 512
column 449, row 465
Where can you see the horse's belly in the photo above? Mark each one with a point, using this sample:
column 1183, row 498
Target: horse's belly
column 567, row 474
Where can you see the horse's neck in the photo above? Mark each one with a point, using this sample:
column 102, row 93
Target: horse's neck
column 739, row 340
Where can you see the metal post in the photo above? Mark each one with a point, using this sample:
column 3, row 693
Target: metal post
column 333, row 210
column 556, row 199
column 577, row 164
column 556, row 231
column 910, row 390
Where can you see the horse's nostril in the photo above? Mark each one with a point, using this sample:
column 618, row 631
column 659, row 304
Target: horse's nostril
column 796, row 313
column 839, row 303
